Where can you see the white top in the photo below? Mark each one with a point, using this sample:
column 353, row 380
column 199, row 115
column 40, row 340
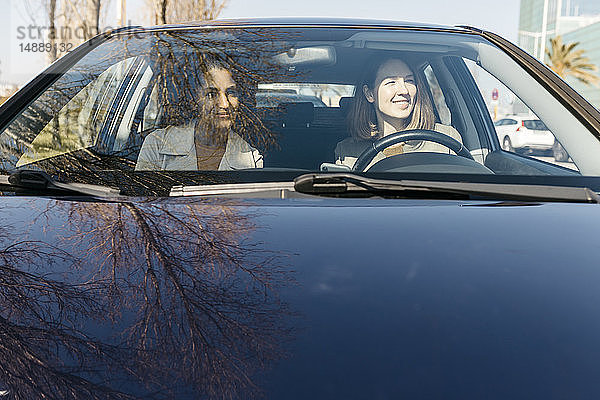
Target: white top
column 173, row 148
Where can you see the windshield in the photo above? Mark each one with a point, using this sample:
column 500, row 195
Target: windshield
column 535, row 124
column 164, row 107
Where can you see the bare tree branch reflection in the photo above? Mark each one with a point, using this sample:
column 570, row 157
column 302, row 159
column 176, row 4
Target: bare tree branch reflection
column 96, row 116
column 191, row 299
column 41, row 344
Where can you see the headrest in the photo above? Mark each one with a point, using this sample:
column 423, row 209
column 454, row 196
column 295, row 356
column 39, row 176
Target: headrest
column 301, row 113
column 345, row 104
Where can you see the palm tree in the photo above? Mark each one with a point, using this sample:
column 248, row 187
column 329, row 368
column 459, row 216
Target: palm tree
column 566, row 61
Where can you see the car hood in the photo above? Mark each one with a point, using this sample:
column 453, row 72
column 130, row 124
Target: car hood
column 324, row 298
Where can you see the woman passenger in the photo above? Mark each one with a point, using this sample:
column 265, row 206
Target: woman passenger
column 207, row 140
column 392, row 96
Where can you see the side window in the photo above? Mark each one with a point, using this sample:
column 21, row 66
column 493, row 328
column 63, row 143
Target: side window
column 100, row 114
column 518, row 129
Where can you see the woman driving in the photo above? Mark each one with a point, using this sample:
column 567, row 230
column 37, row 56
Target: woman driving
column 392, row 96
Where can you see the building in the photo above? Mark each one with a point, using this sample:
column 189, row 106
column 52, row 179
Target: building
column 589, row 40
column 575, row 20
column 539, row 20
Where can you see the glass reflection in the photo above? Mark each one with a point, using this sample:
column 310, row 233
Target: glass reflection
column 171, row 100
column 153, row 299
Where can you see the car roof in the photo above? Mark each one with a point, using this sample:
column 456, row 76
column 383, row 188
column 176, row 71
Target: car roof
column 303, row 22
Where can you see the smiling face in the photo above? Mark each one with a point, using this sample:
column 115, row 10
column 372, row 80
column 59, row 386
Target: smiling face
column 393, row 96
column 221, row 98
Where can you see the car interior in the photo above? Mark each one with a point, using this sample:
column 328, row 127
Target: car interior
column 119, row 108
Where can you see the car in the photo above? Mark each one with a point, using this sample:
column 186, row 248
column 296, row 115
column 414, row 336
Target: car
column 523, row 133
column 528, row 134
column 163, row 236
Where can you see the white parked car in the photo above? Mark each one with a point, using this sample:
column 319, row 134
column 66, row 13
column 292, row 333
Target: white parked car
column 523, row 133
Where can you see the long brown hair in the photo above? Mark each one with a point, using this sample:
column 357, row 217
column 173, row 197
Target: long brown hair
column 362, row 119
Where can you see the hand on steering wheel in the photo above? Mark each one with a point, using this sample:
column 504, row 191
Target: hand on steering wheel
column 404, row 136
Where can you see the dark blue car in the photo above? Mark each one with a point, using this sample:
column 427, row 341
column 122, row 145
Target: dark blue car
column 166, row 236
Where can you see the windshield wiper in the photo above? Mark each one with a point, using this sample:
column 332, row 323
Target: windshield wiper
column 350, row 184
column 39, row 181
column 277, row 189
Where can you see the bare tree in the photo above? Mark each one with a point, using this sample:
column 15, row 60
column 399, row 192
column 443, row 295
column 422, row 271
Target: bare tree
column 83, row 16
column 52, row 35
column 91, row 18
column 164, row 11
column 196, row 10
column 157, row 11
column 69, row 22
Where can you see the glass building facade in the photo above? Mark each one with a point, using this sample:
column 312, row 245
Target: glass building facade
column 540, row 20
column 581, row 7
column 589, row 40
column 531, row 21
column 575, row 20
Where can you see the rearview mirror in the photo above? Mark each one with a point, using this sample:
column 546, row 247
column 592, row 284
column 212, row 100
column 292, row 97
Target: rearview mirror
column 321, row 55
column 330, row 167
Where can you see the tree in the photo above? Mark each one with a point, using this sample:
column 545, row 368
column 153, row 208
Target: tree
column 91, row 18
column 70, row 22
column 159, row 10
column 164, row 11
column 196, row 10
column 566, row 61
column 52, row 56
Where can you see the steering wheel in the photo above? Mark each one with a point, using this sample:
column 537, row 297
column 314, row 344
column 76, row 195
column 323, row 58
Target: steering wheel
column 404, row 136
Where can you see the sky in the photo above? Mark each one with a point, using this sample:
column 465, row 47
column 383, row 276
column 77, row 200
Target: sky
column 19, row 66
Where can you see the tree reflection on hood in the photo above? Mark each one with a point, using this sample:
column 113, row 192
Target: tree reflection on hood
column 154, row 299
